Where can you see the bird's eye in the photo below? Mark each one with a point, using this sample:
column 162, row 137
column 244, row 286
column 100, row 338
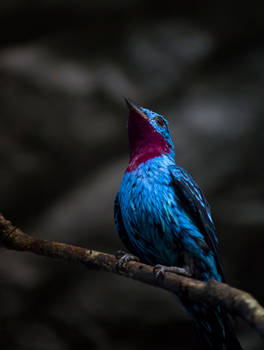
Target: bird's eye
column 160, row 121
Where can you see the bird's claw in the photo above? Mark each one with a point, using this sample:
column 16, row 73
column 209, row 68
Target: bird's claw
column 159, row 271
column 125, row 258
column 120, row 253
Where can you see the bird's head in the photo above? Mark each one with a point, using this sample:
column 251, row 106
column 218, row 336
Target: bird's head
column 148, row 135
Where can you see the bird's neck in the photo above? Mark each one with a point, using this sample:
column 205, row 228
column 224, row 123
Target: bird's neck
column 144, row 154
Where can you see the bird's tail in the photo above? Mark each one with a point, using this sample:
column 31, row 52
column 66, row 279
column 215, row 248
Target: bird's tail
column 215, row 327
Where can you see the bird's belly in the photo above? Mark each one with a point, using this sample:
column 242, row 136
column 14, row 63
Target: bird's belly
column 152, row 224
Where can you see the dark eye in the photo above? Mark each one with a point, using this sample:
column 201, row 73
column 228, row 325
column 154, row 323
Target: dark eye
column 160, row 121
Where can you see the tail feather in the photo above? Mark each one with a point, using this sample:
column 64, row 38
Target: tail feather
column 215, row 327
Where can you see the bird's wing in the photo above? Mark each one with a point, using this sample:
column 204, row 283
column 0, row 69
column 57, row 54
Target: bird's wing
column 197, row 208
column 121, row 228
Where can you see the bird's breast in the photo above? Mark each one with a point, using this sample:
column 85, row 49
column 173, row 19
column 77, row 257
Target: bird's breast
column 149, row 213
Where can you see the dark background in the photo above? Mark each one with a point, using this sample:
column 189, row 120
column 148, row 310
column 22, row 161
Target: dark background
column 64, row 69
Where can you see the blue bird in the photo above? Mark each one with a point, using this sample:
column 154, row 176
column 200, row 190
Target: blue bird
column 163, row 218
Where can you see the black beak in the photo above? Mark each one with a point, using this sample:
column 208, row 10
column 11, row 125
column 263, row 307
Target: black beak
column 130, row 105
column 134, row 108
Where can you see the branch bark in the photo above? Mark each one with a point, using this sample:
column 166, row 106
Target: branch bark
column 214, row 293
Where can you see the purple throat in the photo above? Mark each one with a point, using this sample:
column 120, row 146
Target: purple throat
column 144, row 141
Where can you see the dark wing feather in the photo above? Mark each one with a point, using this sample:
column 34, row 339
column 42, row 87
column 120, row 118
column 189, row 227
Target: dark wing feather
column 198, row 209
column 121, row 228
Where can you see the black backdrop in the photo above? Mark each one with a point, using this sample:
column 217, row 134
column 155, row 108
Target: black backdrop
column 64, row 68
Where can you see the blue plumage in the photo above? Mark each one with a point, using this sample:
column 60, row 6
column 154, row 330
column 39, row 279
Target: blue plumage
column 163, row 217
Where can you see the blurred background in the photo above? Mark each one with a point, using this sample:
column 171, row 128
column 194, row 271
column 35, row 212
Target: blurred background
column 64, row 69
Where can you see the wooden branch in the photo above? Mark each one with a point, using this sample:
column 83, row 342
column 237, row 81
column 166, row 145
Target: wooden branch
column 214, row 293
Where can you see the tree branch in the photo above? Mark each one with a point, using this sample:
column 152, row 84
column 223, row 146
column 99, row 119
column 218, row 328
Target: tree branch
column 213, row 293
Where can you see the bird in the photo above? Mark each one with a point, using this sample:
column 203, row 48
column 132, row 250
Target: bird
column 164, row 220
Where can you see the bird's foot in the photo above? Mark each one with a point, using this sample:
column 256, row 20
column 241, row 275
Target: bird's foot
column 159, row 271
column 120, row 253
column 124, row 258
